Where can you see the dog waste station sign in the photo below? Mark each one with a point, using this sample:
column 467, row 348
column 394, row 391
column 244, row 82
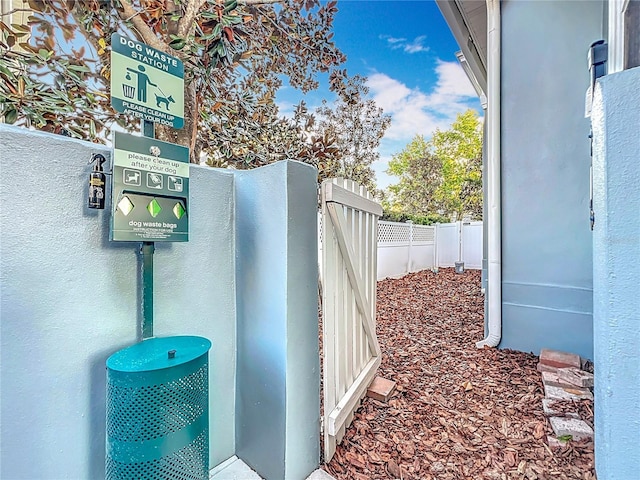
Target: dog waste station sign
column 150, row 177
column 146, row 82
column 150, row 190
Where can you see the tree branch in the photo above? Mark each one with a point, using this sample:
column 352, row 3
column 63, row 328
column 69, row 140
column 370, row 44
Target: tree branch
column 16, row 10
column 259, row 2
column 171, row 8
column 129, row 13
column 186, row 25
column 88, row 33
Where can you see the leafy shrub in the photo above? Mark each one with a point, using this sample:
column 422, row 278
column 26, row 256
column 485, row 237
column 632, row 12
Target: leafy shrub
column 428, row 219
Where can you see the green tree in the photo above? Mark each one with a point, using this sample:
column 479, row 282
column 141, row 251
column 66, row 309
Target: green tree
column 471, row 189
column 420, row 176
column 443, row 174
column 460, row 151
column 235, row 52
column 354, row 126
column 340, row 139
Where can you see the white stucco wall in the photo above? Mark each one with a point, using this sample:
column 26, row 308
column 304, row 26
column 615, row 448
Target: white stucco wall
column 69, row 299
column 616, row 272
column 278, row 390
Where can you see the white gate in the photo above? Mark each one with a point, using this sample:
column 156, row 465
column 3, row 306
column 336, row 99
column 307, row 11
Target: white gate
column 351, row 354
column 448, row 244
column 472, row 245
column 459, row 242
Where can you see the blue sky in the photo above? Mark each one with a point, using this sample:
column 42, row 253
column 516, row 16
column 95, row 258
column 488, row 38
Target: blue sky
column 407, row 53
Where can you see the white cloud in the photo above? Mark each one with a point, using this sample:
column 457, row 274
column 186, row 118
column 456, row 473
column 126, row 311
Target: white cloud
column 453, row 86
column 414, row 46
column 416, row 112
column 285, row 109
column 383, row 179
column 393, row 41
column 413, row 111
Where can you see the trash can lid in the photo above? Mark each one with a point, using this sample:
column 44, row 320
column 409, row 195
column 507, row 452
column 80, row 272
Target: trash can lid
column 158, row 353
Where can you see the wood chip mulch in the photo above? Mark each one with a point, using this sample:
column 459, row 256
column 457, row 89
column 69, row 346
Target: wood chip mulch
column 458, row 412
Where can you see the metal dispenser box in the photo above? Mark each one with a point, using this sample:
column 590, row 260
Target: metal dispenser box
column 150, row 194
column 158, row 410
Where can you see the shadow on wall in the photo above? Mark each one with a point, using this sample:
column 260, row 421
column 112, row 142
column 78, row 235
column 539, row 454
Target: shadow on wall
column 97, row 369
column 98, row 413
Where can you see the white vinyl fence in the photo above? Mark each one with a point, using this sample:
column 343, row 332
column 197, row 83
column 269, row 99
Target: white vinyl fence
column 405, row 247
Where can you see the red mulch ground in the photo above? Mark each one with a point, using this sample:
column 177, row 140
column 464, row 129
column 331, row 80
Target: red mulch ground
column 458, row 412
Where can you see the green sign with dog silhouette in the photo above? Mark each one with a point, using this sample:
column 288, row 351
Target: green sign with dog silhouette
column 146, row 82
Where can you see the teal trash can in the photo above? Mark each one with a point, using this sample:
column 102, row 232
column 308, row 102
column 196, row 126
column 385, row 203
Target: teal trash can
column 158, row 410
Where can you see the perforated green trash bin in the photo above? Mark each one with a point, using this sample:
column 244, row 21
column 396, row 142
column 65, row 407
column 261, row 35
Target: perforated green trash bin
column 157, row 410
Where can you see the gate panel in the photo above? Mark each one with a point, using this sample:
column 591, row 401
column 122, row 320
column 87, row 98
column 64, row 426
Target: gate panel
column 349, row 266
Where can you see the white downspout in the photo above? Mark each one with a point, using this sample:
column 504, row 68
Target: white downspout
column 494, row 240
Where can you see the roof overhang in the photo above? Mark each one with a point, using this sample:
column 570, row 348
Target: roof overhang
column 467, row 20
column 472, row 77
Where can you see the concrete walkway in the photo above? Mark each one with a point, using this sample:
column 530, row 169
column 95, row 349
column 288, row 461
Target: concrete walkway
column 236, row 469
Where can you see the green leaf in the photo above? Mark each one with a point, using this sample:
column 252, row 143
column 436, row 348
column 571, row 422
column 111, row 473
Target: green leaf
column 73, row 75
column 207, row 37
column 231, row 19
column 11, row 116
column 177, row 43
column 44, row 54
column 79, row 68
column 230, row 5
column 21, row 28
column 38, row 6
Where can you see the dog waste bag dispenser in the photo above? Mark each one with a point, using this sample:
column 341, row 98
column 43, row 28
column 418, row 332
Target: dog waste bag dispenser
column 150, row 192
column 157, row 410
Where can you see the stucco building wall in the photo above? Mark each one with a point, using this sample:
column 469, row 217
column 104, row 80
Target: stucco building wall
column 69, row 299
column 546, row 239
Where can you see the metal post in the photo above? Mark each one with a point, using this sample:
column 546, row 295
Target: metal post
column 460, row 233
column 409, row 259
column 146, row 250
column 148, row 129
column 436, row 260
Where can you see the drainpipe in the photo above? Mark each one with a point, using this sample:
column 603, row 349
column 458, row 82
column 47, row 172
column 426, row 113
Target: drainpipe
column 494, row 240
